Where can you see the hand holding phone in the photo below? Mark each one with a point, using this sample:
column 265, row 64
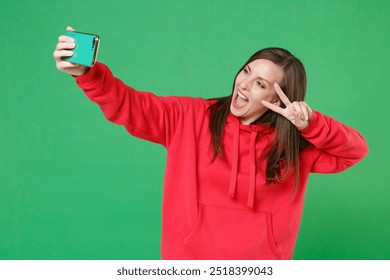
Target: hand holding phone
column 64, row 51
column 86, row 48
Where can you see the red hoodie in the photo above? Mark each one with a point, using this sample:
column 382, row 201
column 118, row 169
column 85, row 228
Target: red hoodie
column 221, row 209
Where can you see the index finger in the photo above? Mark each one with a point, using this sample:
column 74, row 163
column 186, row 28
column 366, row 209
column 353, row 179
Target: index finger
column 281, row 95
column 65, row 39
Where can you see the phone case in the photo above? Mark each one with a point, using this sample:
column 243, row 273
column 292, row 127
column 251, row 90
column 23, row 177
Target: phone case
column 85, row 52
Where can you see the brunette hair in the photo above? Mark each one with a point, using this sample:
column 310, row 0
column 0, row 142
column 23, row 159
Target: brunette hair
column 282, row 154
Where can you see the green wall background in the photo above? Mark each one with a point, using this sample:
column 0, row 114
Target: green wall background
column 74, row 186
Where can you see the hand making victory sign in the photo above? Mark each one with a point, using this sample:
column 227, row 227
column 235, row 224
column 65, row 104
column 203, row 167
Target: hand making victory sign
column 298, row 112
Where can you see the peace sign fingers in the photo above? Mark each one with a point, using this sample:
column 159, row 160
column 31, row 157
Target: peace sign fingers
column 298, row 113
column 281, row 95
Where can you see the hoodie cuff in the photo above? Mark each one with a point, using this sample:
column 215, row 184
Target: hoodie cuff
column 88, row 76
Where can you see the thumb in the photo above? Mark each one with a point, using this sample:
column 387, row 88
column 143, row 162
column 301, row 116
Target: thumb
column 68, row 28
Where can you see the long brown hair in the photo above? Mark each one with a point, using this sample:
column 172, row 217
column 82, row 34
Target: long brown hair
column 282, row 154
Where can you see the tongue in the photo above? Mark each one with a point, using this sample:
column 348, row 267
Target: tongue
column 241, row 102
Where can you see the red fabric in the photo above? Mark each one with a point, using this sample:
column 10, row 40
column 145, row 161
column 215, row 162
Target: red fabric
column 221, row 209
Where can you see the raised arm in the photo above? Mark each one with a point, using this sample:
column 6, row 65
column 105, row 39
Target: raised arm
column 143, row 114
column 337, row 146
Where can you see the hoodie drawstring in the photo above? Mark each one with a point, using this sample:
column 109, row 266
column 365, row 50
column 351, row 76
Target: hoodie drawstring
column 252, row 165
column 252, row 170
column 236, row 149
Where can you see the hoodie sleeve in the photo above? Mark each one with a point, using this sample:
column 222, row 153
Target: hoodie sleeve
column 143, row 114
column 336, row 146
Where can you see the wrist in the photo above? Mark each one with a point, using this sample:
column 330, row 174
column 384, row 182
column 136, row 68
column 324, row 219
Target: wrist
column 81, row 71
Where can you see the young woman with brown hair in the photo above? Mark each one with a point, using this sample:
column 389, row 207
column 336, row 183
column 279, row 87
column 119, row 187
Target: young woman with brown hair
column 237, row 166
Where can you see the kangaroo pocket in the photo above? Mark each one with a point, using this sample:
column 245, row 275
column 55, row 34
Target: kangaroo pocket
column 225, row 233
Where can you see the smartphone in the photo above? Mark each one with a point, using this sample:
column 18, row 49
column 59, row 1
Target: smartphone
column 85, row 52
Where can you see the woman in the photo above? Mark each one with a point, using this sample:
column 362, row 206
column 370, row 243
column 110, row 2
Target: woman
column 237, row 166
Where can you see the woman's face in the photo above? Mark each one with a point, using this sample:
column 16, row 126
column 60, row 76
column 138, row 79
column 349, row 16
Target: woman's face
column 253, row 84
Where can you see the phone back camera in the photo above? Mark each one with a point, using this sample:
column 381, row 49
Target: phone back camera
column 94, row 43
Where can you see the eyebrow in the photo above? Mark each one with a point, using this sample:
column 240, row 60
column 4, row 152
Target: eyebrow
column 261, row 78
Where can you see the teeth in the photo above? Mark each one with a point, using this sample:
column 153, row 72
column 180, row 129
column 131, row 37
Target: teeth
column 242, row 96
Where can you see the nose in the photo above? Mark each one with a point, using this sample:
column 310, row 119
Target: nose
column 245, row 84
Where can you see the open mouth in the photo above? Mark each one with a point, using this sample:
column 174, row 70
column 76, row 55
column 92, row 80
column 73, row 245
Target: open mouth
column 241, row 96
column 241, row 100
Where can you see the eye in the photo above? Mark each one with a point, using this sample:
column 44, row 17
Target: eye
column 260, row 84
column 245, row 71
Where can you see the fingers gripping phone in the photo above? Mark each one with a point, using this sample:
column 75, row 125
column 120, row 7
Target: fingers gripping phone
column 85, row 52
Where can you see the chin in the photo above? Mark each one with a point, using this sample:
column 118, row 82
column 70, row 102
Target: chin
column 234, row 112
